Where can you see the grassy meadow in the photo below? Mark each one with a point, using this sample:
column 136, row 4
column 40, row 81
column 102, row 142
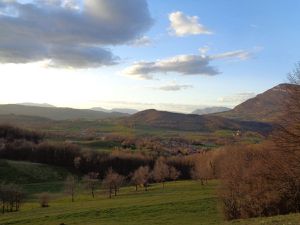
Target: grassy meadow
column 179, row 203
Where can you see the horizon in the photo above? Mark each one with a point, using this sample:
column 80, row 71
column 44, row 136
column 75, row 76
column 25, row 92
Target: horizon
column 89, row 61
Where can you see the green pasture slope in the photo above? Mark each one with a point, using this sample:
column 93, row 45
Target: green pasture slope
column 33, row 177
column 180, row 203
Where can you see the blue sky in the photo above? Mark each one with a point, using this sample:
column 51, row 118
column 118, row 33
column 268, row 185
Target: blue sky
column 140, row 61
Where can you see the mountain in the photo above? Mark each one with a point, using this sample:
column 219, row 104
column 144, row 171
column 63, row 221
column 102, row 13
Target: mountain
column 267, row 107
column 36, row 104
column 56, row 113
column 117, row 110
column 210, row 110
column 191, row 122
column 125, row 110
column 100, row 109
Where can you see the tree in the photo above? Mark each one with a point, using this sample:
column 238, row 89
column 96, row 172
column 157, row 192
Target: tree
column 174, row 173
column 11, row 197
column 264, row 179
column 91, row 181
column 141, row 177
column 294, row 76
column 112, row 182
column 202, row 169
column 160, row 171
column 70, row 186
column 44, row 199
column 287, row 139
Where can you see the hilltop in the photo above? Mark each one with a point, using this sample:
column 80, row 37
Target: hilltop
column 267, row 107
column 190, row 122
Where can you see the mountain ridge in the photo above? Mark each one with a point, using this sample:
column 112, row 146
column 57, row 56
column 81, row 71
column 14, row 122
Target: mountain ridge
column 268, row 106
column 210, row 110
column 56, row 113
column 191, row 122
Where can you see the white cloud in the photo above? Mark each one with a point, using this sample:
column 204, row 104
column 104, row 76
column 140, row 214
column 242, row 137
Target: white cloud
column 239, row 54
column 141, row 42
column 68, row 32
column 183, row 25
column 181, row 64
column 174, row 87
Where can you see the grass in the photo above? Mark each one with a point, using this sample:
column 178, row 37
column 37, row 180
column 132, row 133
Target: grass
column 184, row 202
column 33, row 177
column 180, row 203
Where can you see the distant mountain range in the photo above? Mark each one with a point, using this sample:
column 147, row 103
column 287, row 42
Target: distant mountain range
column 254, row 114
column 267, row 107
column 210, row 110
column 119, row 110
column 191, row 122
column 36, row 104
column 56, row 113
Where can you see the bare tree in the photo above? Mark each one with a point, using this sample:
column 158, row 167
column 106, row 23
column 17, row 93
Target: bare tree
column 112, row 182
column 174, row 173
column 11, row 197
column 160, row 171
column 44, row 199
column 294, row 76
column 264, row 179
column 91, row 181
column 70, row 186
column 202, row 169
column 141, row 177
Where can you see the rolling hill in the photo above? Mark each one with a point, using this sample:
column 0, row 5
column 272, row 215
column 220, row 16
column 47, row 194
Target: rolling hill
column 191, row 122
column 56, row 113
column 266, row 107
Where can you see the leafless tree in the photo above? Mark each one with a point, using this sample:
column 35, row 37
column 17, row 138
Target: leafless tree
column 70, row 186
column 160, row 171
column 174, row 173
column 294, row 76
column 91, row 181
column 11, row 197
column 141, row 177
column 112, row 182
column 44, row 199
column 264, row 179
column 202, row 169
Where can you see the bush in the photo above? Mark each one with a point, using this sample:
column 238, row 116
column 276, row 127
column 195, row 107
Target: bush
column 44, row 199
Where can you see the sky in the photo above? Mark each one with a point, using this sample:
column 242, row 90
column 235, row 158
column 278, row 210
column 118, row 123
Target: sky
column 170, row 55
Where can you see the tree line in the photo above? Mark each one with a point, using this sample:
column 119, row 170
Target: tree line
column 113, row 181
column 11, row 197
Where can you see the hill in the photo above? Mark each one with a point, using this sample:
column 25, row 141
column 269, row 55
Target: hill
column 191, row 122
column 267, row 107
column 56, row 113
column 210, row 110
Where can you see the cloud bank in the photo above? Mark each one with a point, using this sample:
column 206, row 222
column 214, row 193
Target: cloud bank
column 69, row 33
column 182, row 65
column 183, row 25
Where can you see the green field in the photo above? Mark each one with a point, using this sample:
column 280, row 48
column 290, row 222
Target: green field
column 33, row 177
column 180, row 203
